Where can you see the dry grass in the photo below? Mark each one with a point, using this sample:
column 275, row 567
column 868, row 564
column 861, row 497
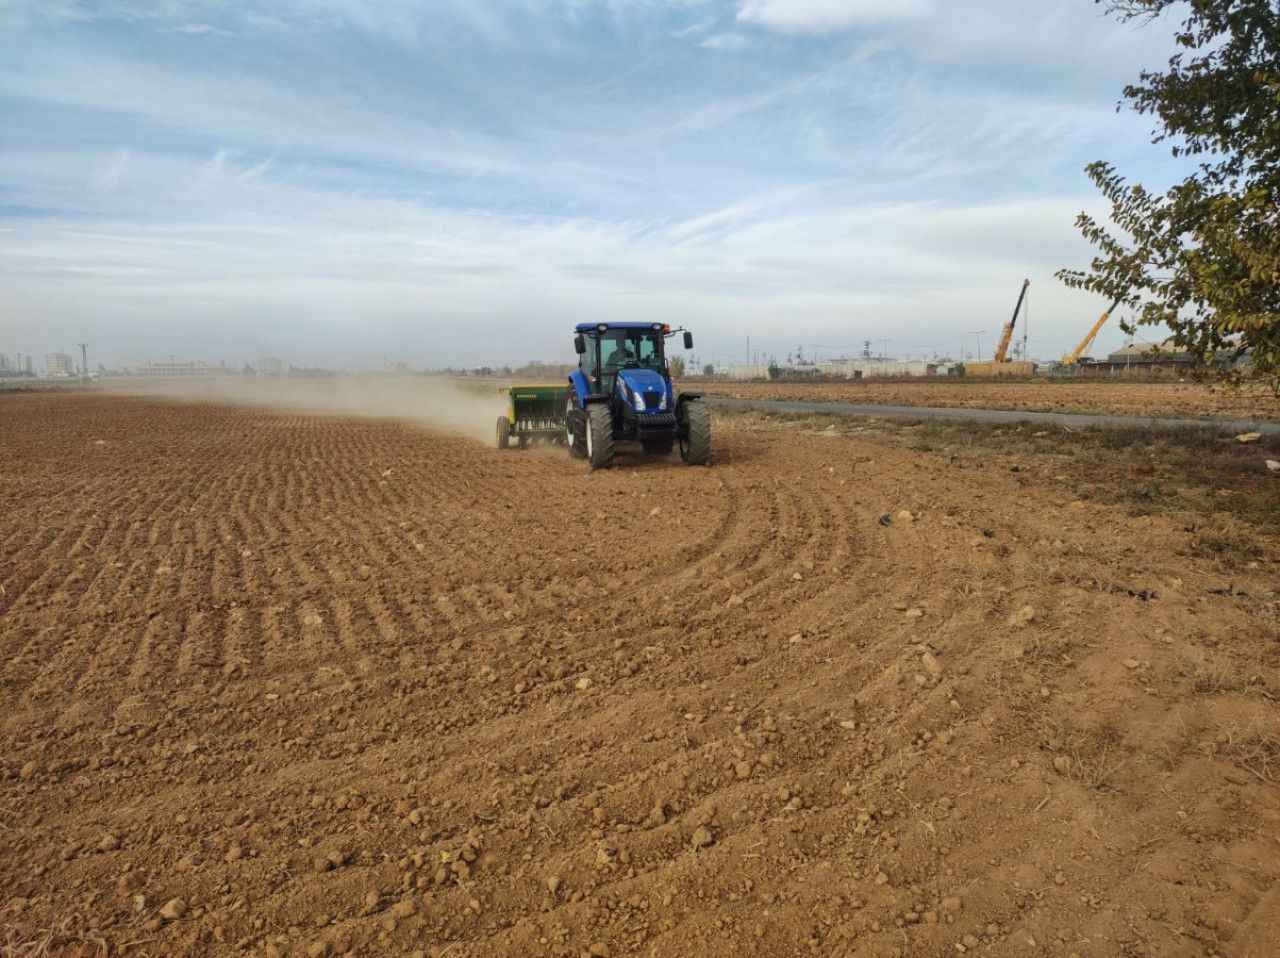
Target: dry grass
column 15, row 944
column 1228, row 546
column 1219, row 488
column 48, row 943
column 1096, row 753
column 1256, row 749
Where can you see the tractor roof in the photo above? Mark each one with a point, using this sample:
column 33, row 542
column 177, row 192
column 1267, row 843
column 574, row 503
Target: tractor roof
column 592, row 327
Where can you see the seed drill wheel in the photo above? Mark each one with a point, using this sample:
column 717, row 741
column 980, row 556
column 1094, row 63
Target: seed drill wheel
column 695, row 438
column 504, row 432
column 574, row 439
column 599, row 436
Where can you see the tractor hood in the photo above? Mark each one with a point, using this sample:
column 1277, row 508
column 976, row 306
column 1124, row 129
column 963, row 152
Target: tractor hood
column 647, row 384
column 643, row 380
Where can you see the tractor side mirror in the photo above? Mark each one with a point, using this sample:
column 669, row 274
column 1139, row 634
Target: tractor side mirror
column 688, row 340
column 579, row 344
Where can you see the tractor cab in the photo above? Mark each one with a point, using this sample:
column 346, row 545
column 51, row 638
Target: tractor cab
column 622, row 390
column 609, row 350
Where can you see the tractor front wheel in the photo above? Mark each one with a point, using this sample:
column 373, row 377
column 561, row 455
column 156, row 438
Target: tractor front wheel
column 599, row 436
column 504, row 432
column 695, row 434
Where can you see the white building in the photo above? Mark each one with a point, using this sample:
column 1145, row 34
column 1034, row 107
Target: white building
column 59, row 365
column 271, row 366
column 171, row 367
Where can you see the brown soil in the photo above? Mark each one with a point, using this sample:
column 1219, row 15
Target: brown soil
column 349, row 686
column 1187, row 400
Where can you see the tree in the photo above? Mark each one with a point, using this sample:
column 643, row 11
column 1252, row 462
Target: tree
column 677, row 367
column 709, row 370
column 1202, row 258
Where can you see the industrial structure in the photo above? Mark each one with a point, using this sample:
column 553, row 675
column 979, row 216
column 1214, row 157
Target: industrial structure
column 1079, row 353
column 1165, row 355
column 270, row 366
column 1001, row 365
column 59, row 366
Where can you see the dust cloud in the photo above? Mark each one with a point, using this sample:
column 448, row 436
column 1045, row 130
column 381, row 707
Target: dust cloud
column 442, row 404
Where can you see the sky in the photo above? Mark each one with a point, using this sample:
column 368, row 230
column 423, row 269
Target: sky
column 457, row 182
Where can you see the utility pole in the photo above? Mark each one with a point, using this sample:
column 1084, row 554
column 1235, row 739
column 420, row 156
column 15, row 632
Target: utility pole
column 84, row 360
column 978, row 333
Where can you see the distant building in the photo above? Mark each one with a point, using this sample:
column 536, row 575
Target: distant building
column 747, row 371
column 994, row 370
column 171, row 368
column 271, row 366
column 1148, row 355
column 891, row 368
column 59, row 366
column 846, row 369
column 4, row 364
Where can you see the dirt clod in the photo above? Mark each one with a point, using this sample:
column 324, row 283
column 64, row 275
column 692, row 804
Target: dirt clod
column 1023, row 617
column 173, row 909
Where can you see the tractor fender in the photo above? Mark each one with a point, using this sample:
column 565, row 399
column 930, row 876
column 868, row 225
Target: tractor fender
column 580, row 389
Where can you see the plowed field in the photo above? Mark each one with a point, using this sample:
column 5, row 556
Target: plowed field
column 275, row 683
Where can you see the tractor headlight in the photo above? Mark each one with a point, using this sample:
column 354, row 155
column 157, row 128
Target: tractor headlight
column 637, row 399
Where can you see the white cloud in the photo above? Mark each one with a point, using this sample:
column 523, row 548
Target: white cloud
column 202, row 29
column 330, row 280
column 819, row 16
column 112, row 171
column 728, row 42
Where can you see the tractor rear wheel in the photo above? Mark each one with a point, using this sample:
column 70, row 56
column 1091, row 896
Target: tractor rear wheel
column 599, row 436
column 504, row 432
column 695, row 437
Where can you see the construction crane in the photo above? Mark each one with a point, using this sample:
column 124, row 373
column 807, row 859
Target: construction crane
column 1002, row 351
column 1073, row 357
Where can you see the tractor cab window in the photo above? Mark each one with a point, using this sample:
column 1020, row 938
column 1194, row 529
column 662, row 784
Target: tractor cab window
column 650, row 356
column 631, row 349
column 591, row 358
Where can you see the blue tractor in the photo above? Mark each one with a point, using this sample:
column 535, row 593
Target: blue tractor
column 621, row 391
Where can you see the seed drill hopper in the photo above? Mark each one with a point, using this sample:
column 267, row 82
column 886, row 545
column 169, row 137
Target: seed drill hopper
column 533, row 413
